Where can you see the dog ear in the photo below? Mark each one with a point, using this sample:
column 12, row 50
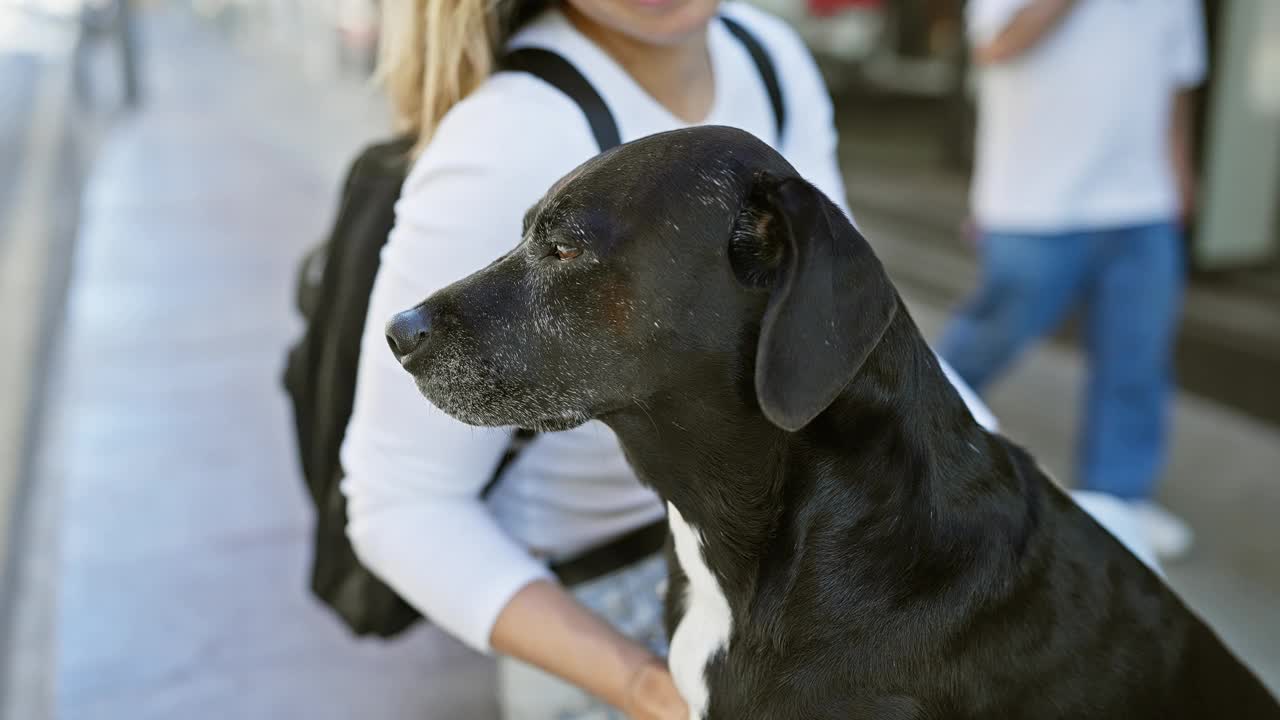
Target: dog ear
column 830, row 303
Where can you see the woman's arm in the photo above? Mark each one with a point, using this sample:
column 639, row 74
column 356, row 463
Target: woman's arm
column 441, row 549
column 414, row 477
column 413, row 474
column 544, row 625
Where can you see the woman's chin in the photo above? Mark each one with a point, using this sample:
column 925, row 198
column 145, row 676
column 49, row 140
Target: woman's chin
column 655, row 22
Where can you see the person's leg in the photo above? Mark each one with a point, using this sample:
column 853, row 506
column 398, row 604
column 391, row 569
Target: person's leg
column 1132, row 322
column 631, row 600
column 1028, row 283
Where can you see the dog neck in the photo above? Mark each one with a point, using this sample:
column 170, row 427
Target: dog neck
column 871, row 474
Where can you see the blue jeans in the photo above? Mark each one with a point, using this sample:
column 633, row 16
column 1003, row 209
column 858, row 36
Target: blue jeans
column 1130, row 282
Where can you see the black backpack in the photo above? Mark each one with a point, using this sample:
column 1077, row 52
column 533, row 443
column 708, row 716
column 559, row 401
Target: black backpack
column 334, row 283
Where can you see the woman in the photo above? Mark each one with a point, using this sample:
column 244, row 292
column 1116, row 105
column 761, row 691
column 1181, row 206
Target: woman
column 490, row 145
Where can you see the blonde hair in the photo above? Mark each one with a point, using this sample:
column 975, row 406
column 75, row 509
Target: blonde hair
column 434, row 53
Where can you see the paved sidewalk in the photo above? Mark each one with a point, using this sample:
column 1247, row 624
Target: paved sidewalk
column 181, row 532
column 184, row 529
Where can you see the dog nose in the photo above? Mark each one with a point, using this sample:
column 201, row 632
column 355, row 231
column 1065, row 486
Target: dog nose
column 407, row 330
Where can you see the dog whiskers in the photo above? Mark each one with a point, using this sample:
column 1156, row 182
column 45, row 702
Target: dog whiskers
column 640, row 403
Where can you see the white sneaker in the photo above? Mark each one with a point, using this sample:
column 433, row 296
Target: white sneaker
column 1120, row 519
column 1169, row 536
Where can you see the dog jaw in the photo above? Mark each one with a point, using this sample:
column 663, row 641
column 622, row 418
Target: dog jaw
column 465, row 391
column 495, row 410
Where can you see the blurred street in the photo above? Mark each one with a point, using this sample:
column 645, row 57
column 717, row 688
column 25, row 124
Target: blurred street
column 159, row 562
column 162, row 562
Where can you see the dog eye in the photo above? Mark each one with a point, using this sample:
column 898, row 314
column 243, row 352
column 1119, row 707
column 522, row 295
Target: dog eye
column 565, row 252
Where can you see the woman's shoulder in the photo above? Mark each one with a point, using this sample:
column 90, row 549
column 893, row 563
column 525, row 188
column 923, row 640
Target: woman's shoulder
column 513, row 126
column 810, row 131
column 779, row 38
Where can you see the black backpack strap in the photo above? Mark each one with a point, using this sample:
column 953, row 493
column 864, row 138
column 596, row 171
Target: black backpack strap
column 554, row 70
column 562, row 75
column 764, row 65
column 519, row 440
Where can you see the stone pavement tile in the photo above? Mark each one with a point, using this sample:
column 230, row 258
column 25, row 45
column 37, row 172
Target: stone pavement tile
column 179, row 160
column 229, row 633
column 328, row 689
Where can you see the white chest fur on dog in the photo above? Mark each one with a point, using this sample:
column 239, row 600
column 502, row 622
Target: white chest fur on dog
column 704, row 628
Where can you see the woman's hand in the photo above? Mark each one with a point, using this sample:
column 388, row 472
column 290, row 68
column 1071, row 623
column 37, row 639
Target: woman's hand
column 652, row 695
column 545, row 626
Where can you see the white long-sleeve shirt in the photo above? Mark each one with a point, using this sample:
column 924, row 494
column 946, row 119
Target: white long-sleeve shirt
column 413, row 474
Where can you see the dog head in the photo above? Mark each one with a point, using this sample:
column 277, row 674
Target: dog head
column 650, row 269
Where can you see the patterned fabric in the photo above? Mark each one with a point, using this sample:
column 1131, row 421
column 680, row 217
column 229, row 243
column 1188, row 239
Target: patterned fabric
column 631, row 600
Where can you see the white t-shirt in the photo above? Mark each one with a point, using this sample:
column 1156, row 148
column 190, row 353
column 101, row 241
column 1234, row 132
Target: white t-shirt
column 413, row 474
column 1074, row 133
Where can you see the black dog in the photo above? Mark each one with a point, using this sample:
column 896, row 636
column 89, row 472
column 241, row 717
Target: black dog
column 855, row 545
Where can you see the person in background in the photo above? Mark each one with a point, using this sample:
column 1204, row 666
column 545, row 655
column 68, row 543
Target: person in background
column 1082, row 183
column 489, row 145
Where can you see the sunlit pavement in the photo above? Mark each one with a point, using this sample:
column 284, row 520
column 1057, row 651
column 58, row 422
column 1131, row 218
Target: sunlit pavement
column 171, row 525
column 167, row 502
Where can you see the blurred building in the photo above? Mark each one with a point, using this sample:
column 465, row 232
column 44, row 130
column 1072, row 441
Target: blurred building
column 1239, row 223
column 916, row 47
